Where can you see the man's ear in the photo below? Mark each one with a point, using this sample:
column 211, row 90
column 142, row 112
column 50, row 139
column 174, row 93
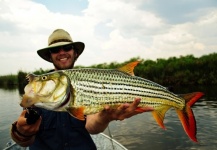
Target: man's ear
column 51, row 59
column 76, row 55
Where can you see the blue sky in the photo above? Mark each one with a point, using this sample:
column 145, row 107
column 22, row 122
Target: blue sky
column 112, row 30
column 74, row 7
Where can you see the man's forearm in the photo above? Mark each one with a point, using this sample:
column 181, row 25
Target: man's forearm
column 97, row 123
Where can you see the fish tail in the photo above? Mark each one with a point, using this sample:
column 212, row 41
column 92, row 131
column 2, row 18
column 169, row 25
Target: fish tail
column 186, row 115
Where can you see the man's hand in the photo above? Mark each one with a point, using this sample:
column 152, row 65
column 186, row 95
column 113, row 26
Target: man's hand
column 97, row 123
column 26, row 129
column 125, row 110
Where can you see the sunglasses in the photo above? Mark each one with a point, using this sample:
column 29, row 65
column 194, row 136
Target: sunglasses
column 56, row 50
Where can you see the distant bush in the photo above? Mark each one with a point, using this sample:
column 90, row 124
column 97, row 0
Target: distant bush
column 185, row 70
column 8, row 81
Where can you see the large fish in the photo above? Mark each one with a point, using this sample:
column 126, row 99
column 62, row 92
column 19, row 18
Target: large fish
column 87, row 91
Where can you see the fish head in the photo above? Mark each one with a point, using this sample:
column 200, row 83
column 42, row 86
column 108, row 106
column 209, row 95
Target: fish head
column 48, row 91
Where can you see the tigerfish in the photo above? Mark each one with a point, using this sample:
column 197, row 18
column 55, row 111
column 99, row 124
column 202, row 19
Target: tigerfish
column 87, row 91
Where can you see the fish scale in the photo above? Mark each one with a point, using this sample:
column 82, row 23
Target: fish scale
column 98, row 86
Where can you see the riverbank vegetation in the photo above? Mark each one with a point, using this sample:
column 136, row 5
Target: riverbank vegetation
column 185, row 70
column 8, row 81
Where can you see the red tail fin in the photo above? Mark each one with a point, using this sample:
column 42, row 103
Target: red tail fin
column 186, row 115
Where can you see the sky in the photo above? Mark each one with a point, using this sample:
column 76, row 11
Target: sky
column 112, row 30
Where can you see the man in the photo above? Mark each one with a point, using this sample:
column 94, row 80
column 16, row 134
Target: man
column 58, row 130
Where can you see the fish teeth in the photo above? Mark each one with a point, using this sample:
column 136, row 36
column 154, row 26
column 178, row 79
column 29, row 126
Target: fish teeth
column 29, row 77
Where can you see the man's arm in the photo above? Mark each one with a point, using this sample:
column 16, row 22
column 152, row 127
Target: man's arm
column 97, row 123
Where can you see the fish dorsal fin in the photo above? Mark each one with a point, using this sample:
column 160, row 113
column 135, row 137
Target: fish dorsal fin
column 128, row 68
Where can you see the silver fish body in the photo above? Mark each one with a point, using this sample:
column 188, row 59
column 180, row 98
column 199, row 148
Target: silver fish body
column 87, row 91
column 95, row 88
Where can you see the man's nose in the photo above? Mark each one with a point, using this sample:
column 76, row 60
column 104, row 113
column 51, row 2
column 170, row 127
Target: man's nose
column 61, row 50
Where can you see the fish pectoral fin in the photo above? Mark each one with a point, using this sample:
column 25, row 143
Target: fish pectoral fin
column 144, row 109
column 159, row 115
column 128, row 68
column 139, row 109
column 76, row 112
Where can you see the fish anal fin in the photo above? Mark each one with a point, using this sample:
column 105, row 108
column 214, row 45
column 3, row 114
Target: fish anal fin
column 159, row 115
column 128, row 68
column 76, row 112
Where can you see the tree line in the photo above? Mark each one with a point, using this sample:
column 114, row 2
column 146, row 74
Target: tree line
column 185, row 70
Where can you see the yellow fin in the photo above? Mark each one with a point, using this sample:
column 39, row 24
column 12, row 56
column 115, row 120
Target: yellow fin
column 128, row 68
column 77, row 112
column 159, row 115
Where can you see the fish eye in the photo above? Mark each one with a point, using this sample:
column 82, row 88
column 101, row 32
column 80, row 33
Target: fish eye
column 44, row 77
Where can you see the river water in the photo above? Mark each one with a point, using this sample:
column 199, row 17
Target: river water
column 140, row 132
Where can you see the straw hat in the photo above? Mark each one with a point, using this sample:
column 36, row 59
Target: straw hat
column 59, row 37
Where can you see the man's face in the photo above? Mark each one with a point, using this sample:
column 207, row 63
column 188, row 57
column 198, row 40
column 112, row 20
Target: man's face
column 63, row 58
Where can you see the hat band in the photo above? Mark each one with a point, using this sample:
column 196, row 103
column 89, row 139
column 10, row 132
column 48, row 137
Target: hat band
column 60, row 40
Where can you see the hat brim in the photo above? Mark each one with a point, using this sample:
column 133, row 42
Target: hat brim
column 45, row 53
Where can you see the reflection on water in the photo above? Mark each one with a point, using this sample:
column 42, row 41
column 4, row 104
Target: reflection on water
column 141, row 132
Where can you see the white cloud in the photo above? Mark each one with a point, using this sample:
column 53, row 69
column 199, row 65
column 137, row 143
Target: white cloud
column 197, row 38
column 114, row 30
